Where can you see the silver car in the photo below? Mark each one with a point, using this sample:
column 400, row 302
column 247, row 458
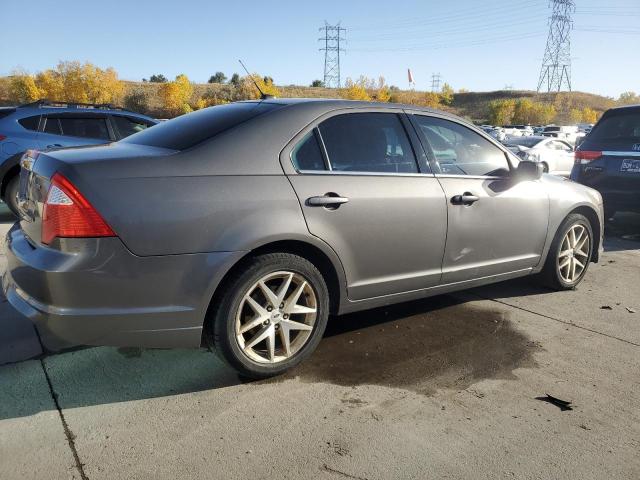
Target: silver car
column 247, row 225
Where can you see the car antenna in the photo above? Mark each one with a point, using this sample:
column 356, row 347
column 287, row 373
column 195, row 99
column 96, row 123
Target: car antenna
column 263, row 96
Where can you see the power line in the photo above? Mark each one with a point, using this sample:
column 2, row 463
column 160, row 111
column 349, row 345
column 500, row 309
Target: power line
column 556, row 63
column 332, row 49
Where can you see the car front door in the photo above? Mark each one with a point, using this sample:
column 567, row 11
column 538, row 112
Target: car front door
column 366, row 192
column 496, row 224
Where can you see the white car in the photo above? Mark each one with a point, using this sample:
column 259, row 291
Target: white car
column 556, row 156
column 569, row 133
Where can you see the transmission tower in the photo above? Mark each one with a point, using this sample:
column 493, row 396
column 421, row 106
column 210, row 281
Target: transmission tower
column 332, row 38
column 556, row 64
column 435, row 82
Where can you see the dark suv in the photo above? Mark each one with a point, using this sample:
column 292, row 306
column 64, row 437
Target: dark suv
column 609, row 160
column 43, row 124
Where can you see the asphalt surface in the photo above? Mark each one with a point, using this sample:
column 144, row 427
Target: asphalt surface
column 449, row 387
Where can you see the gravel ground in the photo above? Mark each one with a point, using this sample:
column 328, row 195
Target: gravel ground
column 441, row 388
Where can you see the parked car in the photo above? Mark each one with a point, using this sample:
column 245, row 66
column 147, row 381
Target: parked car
column 518, row 130
column 555, row 156
column 608, row 159
column 44, row 124
column 244, row 225
column 568, row 133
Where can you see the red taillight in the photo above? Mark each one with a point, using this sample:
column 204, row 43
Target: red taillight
column 586, row 156
column 68, row 214
column 2, row 137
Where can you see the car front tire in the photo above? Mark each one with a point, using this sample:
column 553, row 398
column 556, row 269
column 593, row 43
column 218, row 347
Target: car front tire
column 271, row 315
column 570, row 253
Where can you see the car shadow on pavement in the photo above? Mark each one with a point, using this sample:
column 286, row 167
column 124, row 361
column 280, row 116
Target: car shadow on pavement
column 452, row 335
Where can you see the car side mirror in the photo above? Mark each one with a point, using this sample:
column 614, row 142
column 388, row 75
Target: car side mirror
column 528, row 170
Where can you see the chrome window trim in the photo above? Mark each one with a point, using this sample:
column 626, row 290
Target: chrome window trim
column 620, row 154
column 366, row 174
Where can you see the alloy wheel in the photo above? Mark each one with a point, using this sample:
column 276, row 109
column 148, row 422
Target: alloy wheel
column 574, row 253
column 275, row 317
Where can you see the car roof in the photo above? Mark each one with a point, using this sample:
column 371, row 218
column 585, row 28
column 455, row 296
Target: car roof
column 38, row 109
column 330, row 104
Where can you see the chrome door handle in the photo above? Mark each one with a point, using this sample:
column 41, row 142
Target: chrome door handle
column 327, row 200
column 465, row 199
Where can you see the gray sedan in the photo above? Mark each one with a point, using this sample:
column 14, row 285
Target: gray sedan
column 247, row 225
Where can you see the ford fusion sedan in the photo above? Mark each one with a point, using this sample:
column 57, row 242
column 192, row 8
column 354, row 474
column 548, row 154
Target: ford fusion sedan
column 246, row 225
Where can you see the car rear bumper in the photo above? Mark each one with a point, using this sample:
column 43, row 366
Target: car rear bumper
column 97, row 292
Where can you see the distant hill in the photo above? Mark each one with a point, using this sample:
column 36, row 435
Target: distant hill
column 471, row 105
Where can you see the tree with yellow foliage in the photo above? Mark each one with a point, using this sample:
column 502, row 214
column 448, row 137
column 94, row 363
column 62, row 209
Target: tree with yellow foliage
column 431, row 100
column 356, row 90
column 23, row 88
column 247, row 90
column 175, row 96
column 446, row 95
column 383, row 93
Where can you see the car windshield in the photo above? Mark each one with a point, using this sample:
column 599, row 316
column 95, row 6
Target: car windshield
column 623, row 124
column 188, row 130
column 528, row 142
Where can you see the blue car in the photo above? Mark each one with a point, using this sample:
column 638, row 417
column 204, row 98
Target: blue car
column 43, row 125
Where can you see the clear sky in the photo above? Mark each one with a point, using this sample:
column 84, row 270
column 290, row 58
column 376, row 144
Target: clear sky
column 477, row 45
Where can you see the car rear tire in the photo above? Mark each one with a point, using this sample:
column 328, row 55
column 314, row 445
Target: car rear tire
column 271, row 315
column 570, row 253
column 11, row 194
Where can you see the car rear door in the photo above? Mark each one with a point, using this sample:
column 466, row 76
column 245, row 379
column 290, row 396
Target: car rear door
column 496, row 225
column 366, row 192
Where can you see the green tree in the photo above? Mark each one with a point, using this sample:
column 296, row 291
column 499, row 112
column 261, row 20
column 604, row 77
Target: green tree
column 317, row 83
column 235, row 80
column 158, row 78
column 137, row 100
column 218, row 77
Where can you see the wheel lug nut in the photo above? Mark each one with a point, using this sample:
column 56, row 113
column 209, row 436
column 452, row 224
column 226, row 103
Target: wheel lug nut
column 282, row 305
column 285, row 316
column 269, row 308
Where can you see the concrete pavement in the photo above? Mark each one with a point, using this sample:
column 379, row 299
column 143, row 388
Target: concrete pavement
column 441, row 388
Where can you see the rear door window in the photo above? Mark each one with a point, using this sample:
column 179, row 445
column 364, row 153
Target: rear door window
column 30, row 123
column 368, row 142
column 126, row 126
column 52, row 126
column 85, row 127
column 307, row 154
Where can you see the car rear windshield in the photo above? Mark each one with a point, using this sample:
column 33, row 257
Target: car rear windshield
column 189, row 130
column 618, row 125
column 552, row 129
